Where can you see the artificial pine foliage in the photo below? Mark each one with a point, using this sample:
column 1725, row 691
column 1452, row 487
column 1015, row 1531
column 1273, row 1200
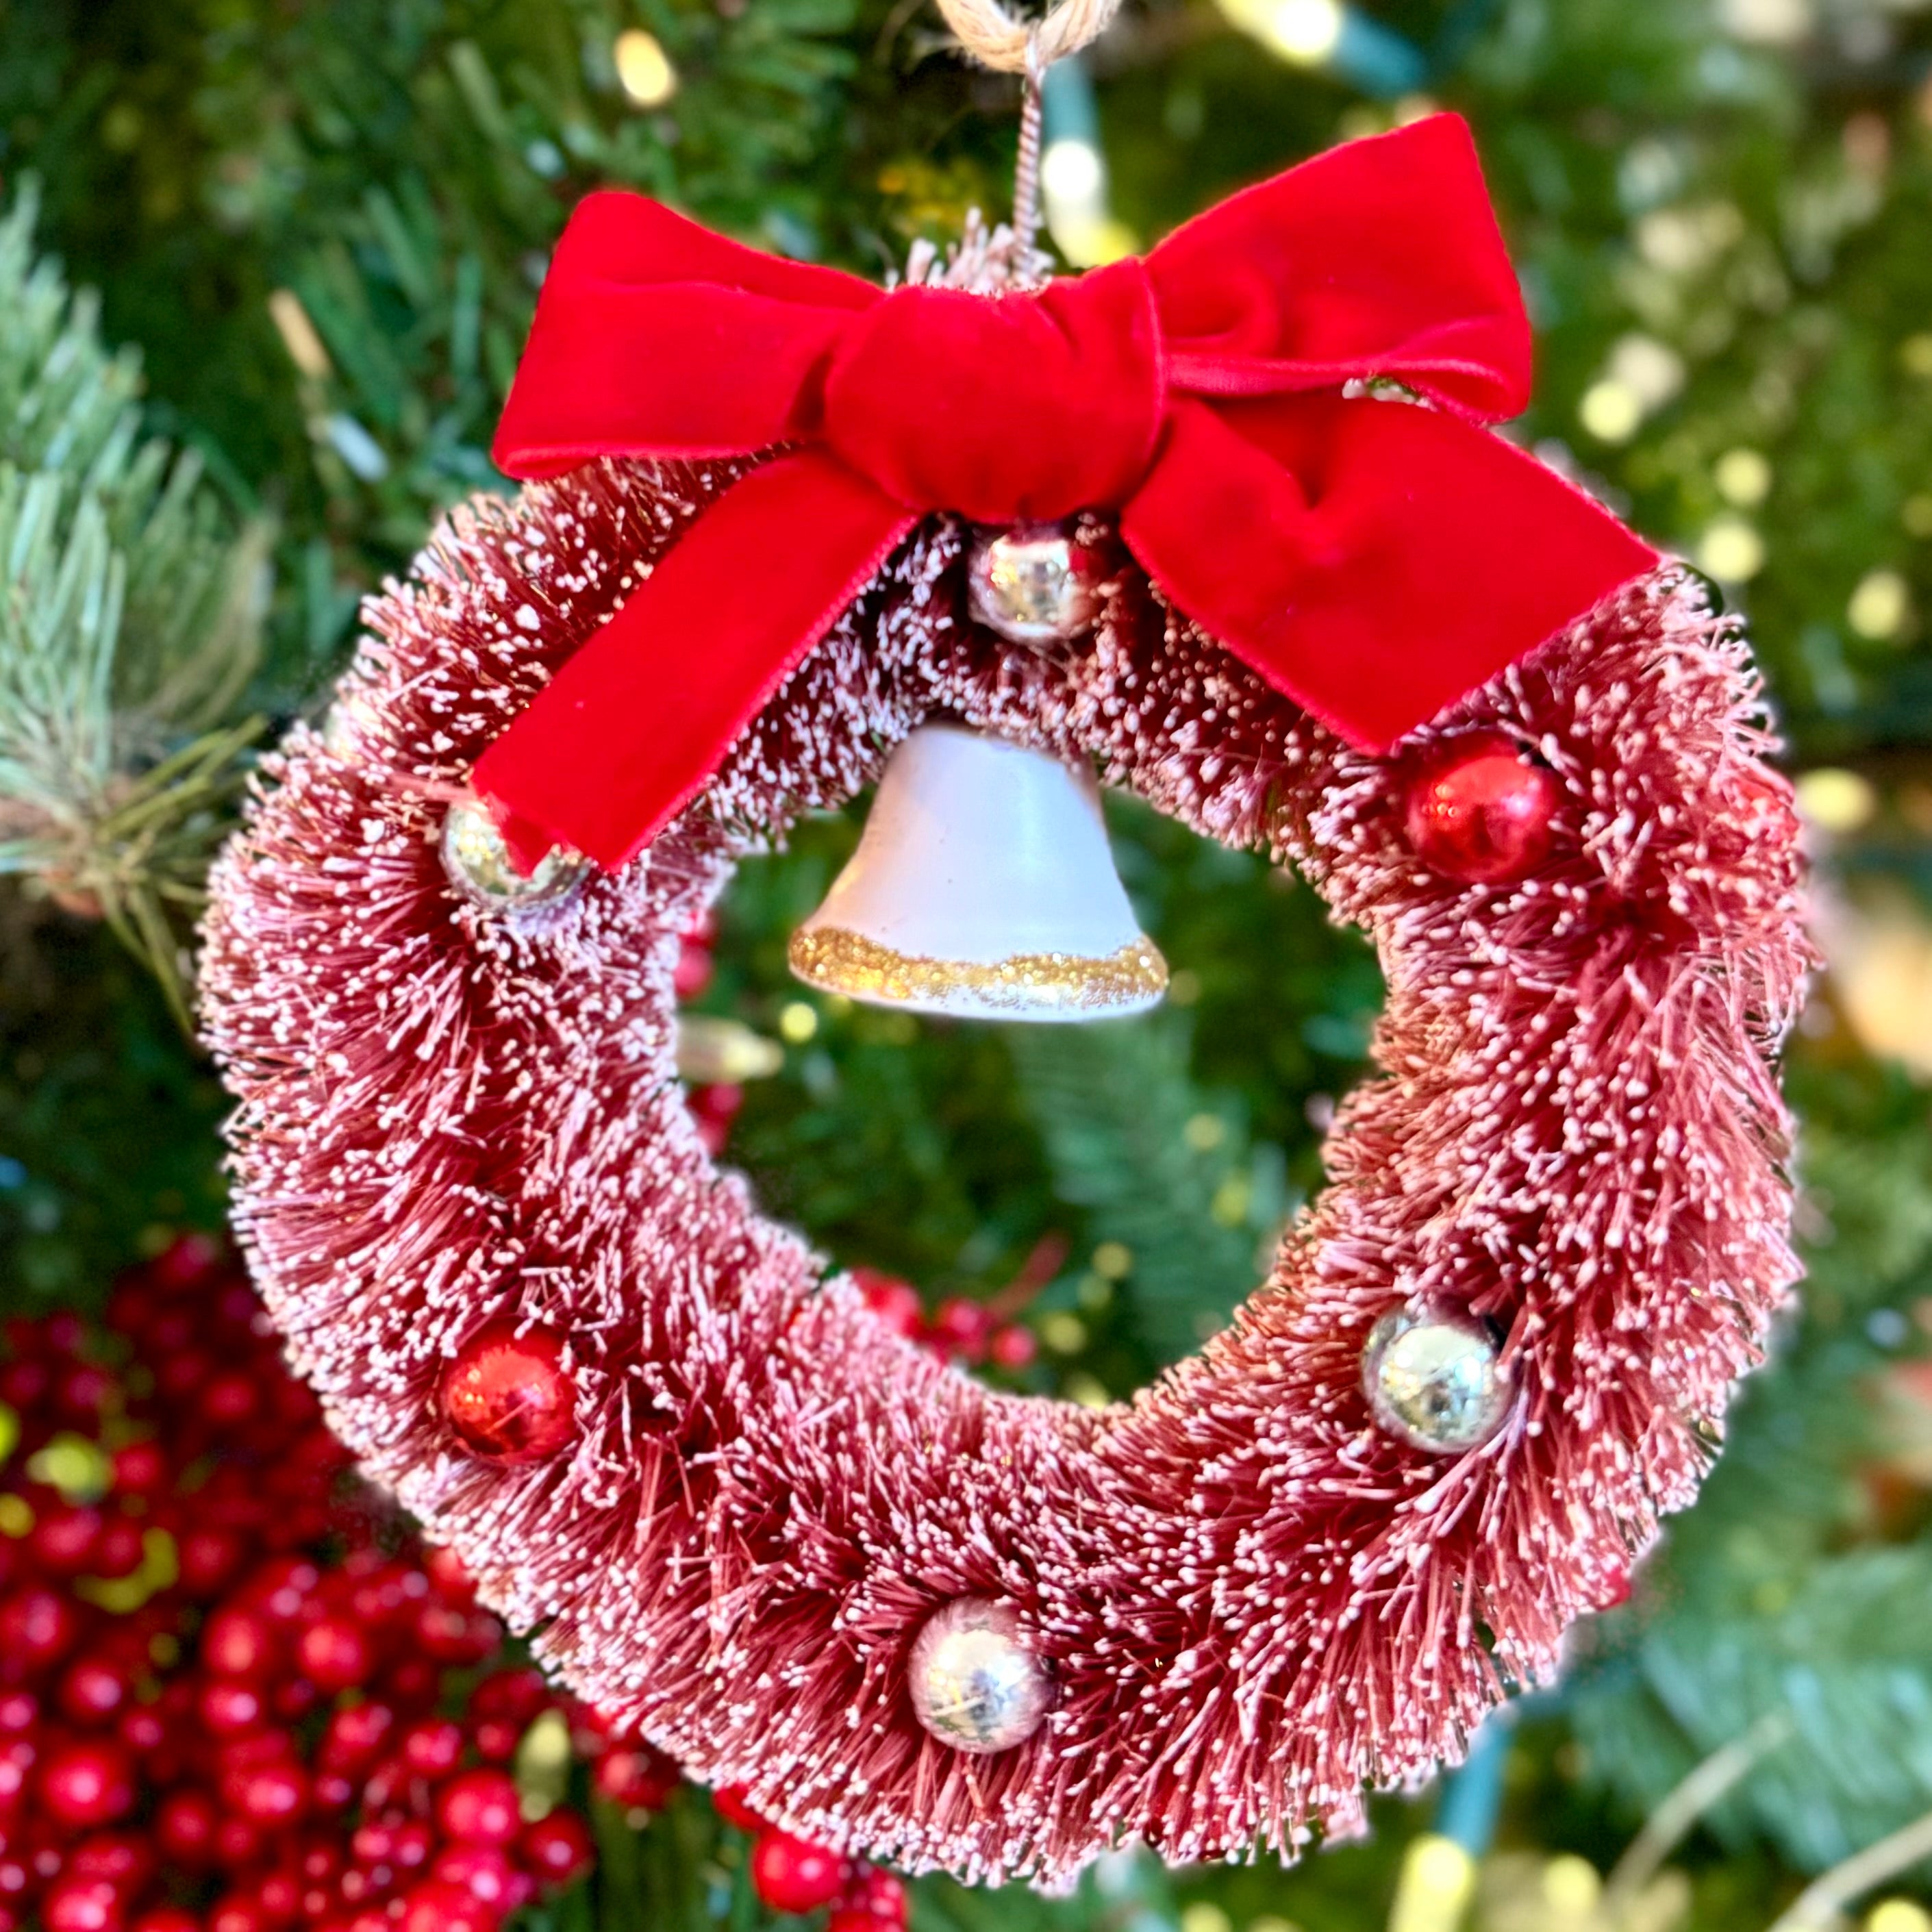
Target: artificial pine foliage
column 321, row 228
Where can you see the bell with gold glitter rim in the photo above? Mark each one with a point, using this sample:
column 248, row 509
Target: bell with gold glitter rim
column 982, row 888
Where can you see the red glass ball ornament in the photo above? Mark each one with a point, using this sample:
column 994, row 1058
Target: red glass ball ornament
column 558, row 1847
column 480, row 1807
column 794, row 1874
column 508, row 1396
column 87, row 1782
column 1479, row 812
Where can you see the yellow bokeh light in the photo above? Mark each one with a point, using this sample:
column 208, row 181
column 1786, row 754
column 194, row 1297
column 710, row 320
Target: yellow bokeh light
column 1879, row 605
column 644, row 70
column 1731, row 551
column 1611, row 410
column 1743, row 477
column 1837, row 800
column 1899, row 1914
column 798, row 1021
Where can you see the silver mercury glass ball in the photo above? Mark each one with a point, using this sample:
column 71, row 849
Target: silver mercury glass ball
column 479, row 866
column 976, row 1684
column 1434, row 1380
column 1033, row 583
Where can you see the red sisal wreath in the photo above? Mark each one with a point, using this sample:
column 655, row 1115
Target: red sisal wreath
column 733, row 1506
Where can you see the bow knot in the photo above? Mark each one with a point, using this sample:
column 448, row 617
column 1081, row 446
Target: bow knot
column 1374, row 561
column 1024, row 406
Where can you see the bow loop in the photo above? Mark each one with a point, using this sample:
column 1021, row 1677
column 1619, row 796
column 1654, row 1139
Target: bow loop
column 1372, row 560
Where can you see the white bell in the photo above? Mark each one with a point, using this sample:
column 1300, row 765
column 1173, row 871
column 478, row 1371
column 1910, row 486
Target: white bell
column 983, row 888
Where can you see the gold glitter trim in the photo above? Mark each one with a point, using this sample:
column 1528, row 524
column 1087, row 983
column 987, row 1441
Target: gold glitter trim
column 843, row 961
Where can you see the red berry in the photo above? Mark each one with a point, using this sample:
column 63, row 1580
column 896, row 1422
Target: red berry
column 497, row 1739
column 93, row 1690
column 273, row 1796
column 285, row 1589
column 730, row 1801
column 693, row 972
column 895, row 1302
column 1479, row 810
column 87, row 1782
column 74, row 1903
column 480, row 1807
column 63, row 1540
column 123, row 1858
column 1013, row 1346
column 451, row 1581
column 239, row 1912
column 355, row 1736
column 238, row 1642
column 877, row 1896
column 558, row 1847
column 237, row 1840
column 963, row 1328
column 186, row 1261
column 410, row 1844
column 509, row 1396
column 140, row 1469
column 209, row 1559
column 636, row 1776
column 452, row 1636
column 18, row 1756
column 231, row 1708
column 485, row 1872
column 333, row 1654
column 185, row 1827
column 434, row 1747
column 166, row 1919
column 440, row 1907
column 794, row 1874
column 119, row 1549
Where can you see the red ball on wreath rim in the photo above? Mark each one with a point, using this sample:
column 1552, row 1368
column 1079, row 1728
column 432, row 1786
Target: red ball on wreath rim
column 1479, row 810
column 508, row 1396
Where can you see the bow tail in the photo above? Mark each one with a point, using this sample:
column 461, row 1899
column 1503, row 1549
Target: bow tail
column 1372, row 560
column 635, row 724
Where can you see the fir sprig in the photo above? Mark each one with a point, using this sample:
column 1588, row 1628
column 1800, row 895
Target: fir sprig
column 130, row 615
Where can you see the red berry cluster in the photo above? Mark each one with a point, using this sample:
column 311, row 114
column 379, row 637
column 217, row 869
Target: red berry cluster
column 223, row 1664
column 792, row 1874
column 960, row 1329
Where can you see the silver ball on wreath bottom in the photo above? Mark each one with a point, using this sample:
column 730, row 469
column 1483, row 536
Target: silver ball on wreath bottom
column 480, row 867
column 976, row 1684
column 1033, row 583
column 1434, row 1380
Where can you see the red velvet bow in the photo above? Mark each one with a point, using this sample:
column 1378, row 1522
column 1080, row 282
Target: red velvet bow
column 1372, row 560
